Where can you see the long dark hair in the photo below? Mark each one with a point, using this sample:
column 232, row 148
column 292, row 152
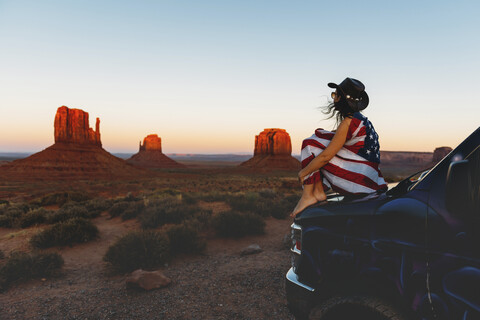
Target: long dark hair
column 340, row 110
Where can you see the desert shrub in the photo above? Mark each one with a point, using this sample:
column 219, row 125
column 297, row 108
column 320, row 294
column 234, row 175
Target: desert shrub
column 235, row 224
column 167, row 192
column 190, row 198
column 127, row 209
column 33, row 217
column 166, row 210
column 60, row 198
column 23, row 266
column 98, row 204
column 7, row 221
column 244, row 202
column 10, row 216
column 202, row 219
column 76, row 230
column 2, row 255
column 138, row 249
column 267, row 193
column 184, row 238
column 118, row 208
column 213, row 196
column 130, row 197
column 133, row 210
column 67, row 212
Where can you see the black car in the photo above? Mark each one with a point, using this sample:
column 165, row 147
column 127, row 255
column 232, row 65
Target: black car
column 410, row 253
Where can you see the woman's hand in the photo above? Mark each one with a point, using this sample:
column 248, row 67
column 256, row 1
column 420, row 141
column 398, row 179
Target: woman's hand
column 301, row 175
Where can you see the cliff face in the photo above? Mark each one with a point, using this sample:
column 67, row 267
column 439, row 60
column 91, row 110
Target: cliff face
column 151, row 143
column 72, row 126
column 273, row 142
column 273, row 150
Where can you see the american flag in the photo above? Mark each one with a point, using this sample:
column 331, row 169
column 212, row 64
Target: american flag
column 354, row 169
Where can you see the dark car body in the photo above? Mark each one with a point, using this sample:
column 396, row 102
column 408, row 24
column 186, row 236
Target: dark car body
column 415, row 247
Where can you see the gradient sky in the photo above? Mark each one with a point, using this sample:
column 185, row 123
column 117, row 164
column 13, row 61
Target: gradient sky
column 207, row 76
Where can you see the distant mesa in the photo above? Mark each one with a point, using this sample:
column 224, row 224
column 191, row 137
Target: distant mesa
column 440, row 153
column 150, row 155
column 76, row 154
column 273, row 150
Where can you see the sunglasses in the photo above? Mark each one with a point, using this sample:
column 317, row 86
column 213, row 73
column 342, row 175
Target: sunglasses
column 336, row 95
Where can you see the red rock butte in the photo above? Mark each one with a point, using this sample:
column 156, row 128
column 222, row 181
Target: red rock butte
column 150, row 155
column 72, row 125
column 273, row 150
column 76, row 154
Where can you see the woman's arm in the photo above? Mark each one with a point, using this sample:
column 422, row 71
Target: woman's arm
column 330, row 151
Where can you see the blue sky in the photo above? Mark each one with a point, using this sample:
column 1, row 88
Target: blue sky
column 207, row 76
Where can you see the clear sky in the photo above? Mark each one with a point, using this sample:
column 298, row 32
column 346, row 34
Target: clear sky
column 207, row 76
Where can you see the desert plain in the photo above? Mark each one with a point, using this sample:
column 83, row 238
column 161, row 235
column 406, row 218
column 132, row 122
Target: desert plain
column 191, row 217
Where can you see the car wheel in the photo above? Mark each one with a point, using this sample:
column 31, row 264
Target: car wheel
column 355, row 307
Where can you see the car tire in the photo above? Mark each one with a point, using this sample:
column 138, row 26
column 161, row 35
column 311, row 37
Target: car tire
column 355, row 307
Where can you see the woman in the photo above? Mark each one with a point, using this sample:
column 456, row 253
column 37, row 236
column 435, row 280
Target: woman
column 347, row 159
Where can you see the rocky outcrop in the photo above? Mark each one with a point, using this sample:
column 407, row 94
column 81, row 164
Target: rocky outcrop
column 76, row 154
column 273, row 150
column 150, row 155
column 440, row 153
column 72, row 126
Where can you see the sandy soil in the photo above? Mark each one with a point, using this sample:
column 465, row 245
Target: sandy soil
column 220, row 284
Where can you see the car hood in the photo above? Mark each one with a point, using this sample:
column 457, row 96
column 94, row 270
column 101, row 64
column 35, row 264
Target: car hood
column 344, row 206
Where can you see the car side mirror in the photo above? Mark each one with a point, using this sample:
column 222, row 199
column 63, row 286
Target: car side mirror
column 457, row 188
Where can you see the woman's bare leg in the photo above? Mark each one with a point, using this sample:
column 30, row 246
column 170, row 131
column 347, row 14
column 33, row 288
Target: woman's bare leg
column 308, row 198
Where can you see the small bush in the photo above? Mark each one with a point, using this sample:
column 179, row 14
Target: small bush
column 235, row 224
column 118, row 208
column 10, row 216
column 33, row 217
column 2, row 255
column 24, row 266
column 202, row 219
column 76, row 230
column 265, row 203
column 7, row 221
column 127, row 209
column 267, row 193
column 98, row 204
column 133, row 210
column 213, row 196
column 184, row 238
column 247, row 202
column 67, row 212
column 189, row 198
column 138, row 249
column 60, row 198
column 166, row 210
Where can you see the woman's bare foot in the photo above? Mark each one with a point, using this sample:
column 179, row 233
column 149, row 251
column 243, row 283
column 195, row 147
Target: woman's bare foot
column 305, row 201
column 319, row 195
column 318, row 192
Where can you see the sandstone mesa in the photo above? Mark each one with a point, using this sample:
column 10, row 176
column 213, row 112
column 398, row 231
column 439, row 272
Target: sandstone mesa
column 76, row 154
column 150, row 155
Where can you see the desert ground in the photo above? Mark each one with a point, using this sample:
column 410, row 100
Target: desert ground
column 215, row 283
